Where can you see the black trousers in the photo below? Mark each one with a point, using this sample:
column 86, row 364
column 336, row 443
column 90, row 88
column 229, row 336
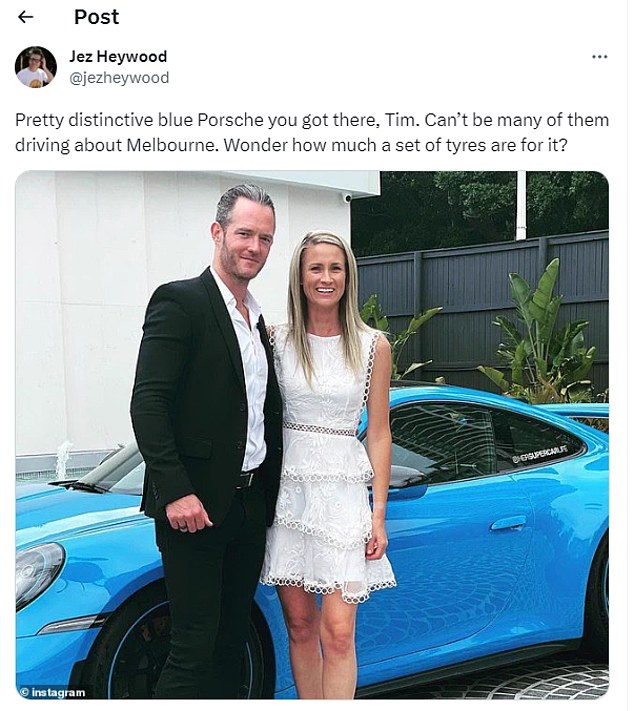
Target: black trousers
column 211, row 577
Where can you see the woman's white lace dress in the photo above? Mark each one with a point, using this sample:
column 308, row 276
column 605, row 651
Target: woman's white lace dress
column 323, row 518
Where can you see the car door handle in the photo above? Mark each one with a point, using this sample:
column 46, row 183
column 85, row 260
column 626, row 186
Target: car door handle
column 515, row 523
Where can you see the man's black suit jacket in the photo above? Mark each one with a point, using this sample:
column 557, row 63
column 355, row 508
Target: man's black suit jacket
column 189, row 402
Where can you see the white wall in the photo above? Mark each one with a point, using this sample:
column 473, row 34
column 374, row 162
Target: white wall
column 90, row 249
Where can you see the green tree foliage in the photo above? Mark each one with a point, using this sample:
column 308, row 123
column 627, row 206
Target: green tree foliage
column 430, row 210
column 372, row 313
column 545, row 364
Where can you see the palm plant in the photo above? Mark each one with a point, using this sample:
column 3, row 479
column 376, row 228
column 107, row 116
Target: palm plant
column 546, row 365
column 372, row 313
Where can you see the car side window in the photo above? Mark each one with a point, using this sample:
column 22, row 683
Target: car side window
column 525, row 442
column 443, row 441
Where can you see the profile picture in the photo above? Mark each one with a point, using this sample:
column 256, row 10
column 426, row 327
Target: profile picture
column 35, row 67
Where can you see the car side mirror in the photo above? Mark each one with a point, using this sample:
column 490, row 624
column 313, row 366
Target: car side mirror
column 406, row 477
column 405, row 483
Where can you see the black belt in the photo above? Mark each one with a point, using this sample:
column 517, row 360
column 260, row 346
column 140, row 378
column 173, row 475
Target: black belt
column 247, row 478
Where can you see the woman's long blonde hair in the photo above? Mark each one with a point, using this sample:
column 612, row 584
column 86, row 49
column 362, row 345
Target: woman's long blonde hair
column 297, row 306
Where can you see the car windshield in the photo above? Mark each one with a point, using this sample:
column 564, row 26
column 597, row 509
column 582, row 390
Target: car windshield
column 120, row 473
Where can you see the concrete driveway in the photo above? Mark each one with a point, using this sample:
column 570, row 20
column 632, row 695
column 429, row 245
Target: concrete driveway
column 557, row 677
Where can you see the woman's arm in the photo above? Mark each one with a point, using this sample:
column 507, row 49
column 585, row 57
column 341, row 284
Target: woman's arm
column 379, row 441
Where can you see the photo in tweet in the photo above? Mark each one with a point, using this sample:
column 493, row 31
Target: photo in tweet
column 482, row 300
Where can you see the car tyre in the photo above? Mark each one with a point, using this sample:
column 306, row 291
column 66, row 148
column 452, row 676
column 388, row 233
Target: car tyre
column 595, row 638
column 128, row 655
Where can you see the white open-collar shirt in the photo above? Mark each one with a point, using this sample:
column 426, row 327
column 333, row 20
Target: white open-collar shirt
column 256, row 371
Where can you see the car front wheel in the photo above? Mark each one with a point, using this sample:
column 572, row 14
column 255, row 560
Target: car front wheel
column 129, row 653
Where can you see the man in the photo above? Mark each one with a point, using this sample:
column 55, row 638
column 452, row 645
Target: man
column 206, row 411
column 36, row 74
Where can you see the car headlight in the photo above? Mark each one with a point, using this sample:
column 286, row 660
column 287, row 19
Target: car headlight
column 35, row 569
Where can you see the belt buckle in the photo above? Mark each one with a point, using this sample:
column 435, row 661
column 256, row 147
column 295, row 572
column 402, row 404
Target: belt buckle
column 246, row 479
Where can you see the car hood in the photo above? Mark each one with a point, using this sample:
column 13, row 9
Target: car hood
column 52, row 513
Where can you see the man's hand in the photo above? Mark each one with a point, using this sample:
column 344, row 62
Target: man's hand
column 49, row 75
column 187, row 514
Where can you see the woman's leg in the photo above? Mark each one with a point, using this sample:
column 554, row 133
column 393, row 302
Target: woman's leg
column 302, row 621
column 337, row 642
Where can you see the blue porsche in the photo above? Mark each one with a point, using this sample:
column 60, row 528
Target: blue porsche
column 498, row 529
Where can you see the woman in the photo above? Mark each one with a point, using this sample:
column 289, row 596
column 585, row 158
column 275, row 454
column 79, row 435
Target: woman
column 326, row 539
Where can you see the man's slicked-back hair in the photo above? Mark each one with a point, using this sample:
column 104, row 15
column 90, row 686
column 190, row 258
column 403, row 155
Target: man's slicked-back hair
column 231, row 196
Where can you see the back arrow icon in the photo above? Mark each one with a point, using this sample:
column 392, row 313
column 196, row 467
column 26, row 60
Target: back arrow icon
column 24, row 17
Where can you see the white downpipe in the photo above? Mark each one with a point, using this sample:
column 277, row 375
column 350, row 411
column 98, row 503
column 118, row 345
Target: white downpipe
column 520, row 230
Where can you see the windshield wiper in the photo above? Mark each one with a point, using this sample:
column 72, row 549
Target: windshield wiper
column 83, row 486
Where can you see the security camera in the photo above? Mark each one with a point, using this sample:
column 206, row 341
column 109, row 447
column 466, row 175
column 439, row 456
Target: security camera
column 347, row 198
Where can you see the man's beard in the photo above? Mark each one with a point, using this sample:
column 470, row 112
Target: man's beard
column 230, row 265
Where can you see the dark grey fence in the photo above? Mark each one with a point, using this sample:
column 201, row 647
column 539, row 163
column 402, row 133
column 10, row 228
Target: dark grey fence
column 472, row 286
